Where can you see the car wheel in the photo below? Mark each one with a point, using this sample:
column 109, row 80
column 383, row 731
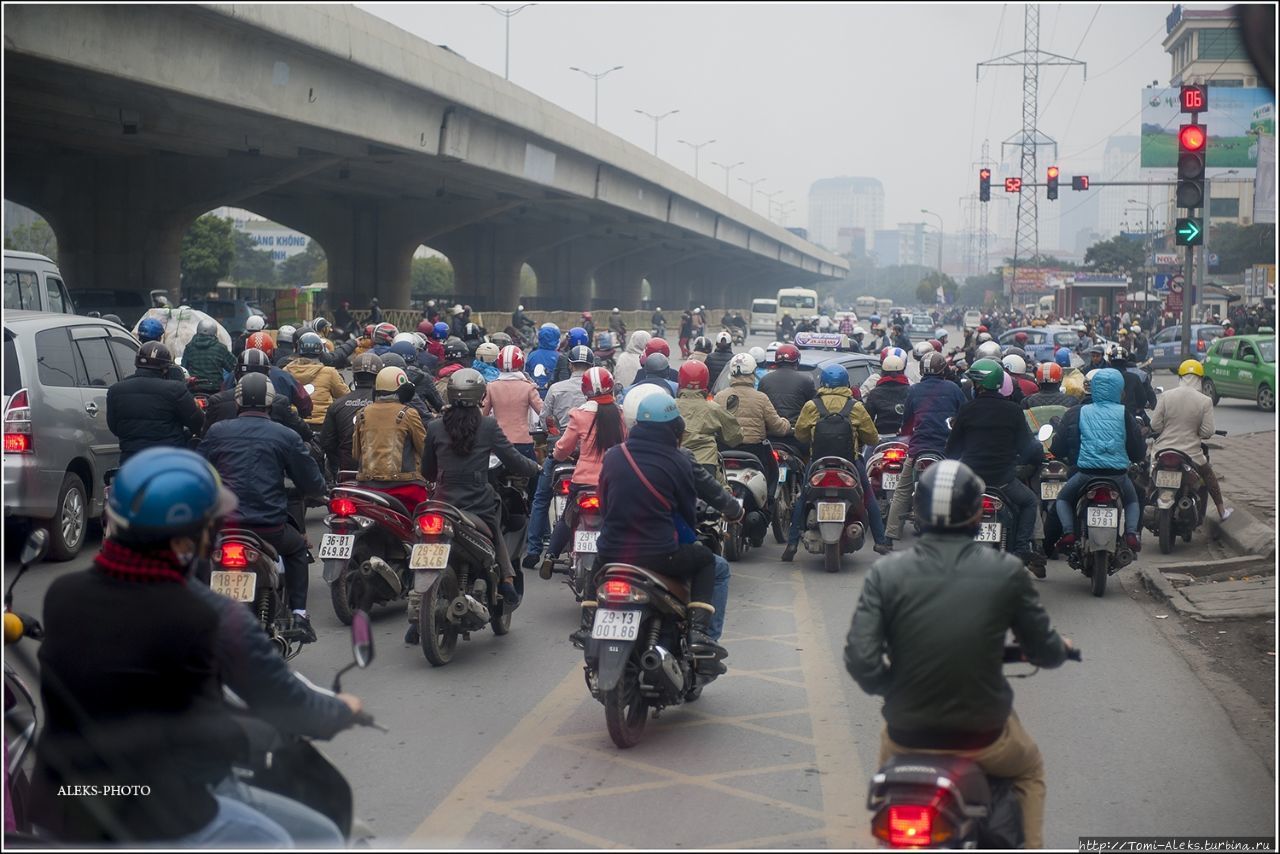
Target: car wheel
column 67, row 528
column 1210, row 389
column 1266, row 399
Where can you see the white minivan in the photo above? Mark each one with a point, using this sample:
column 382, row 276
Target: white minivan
column 32, row 283
column 764, row 316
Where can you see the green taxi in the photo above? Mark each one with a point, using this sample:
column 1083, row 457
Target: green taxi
column 1242, row 366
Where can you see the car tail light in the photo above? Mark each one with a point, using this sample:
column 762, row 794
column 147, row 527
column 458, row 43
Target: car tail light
column 1200, row 345
column 991, row 504
column 895, row 454
column 342, row 506
column 589, row 503
column 1104, row 494
column 1170, row 461
column 17, row 425
column 236, row 555
column 563, row 488
column 832, row 477
column 431, row 524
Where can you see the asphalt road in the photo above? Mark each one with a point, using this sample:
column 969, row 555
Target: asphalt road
column 505, row 748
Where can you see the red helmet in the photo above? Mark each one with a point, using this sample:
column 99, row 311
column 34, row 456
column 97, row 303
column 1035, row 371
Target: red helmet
column 694, row 375
column 1048, row 372
column 260, row 341
column 368, row 331
column 385, row 333
column 935, row 344
column 597, row 383
column 511, row 359
column 656, row 345
column 786, row 354
column 1020, row 337
column 586, row 315
column 426, row 327
column 983, row 329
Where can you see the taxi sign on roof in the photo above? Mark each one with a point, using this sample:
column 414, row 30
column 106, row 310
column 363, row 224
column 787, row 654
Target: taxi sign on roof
column 821, row 340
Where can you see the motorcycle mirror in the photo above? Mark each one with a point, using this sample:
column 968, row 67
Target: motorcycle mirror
column 1159, row 389
column 361, row 639
column 1045, row 432
column 35, row 547
column 310, row 388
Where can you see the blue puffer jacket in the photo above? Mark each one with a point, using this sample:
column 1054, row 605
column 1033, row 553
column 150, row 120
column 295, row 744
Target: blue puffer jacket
column 544, row 357
column 253, row 454
column 1102, row 425
column 930, row 403
column 635, row 523
column 488, row 371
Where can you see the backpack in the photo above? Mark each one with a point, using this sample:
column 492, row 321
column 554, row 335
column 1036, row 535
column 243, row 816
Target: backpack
column 833, row 434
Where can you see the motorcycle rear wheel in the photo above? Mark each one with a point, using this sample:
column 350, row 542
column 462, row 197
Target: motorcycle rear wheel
column 439, row 637
column 1167, row 535
column 1098, row 581
column 340, row 595
column 625, row 710
column 831, row 557
column 735, row 543
column 781, row 516
column 500, row 624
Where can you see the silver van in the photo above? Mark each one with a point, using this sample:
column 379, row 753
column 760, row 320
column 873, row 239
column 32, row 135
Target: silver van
column 32, row 283
column 57, row 447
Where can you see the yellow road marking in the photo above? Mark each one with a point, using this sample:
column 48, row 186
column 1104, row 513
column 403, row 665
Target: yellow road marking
column 562, row 829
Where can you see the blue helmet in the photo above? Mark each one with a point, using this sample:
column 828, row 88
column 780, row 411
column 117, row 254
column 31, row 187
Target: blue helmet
column 406, row 351
column 834, row 376
column 658, row 408
column 1063, row 357
column 166, row 492
column 440, row 330
column 578, row 337
column 549, row 336
column 150, row 329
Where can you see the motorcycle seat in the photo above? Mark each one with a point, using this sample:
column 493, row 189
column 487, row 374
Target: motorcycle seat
column 373, row 492
column 970, row 780
column 674, row 586
column 257, row 542
column 745, row 456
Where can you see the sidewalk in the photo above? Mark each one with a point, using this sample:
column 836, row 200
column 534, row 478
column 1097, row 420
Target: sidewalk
column 1246, row 467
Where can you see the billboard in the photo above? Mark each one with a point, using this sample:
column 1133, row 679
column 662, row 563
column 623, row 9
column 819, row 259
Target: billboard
column 1233, row 113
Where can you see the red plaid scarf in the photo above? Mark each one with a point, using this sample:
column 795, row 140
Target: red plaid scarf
column 123, row 563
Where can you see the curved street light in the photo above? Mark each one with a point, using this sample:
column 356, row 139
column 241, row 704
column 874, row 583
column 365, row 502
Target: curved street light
column 656, row 121
column 596, row 77
column 697, row 152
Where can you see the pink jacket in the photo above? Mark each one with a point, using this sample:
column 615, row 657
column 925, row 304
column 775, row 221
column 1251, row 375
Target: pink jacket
column 509, row 399
column 575, row 437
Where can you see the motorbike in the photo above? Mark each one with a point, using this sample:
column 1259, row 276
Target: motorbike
column 739, row 337
column 836, row 523
column 1100, row 549
column 584, row 517
column 919, row 466
column 366, row 552
column 932, row 800
column 562, row 479
column 750, row 485
column 21, row 713
column 790, row 475
column 1176, row 496
column 247, row 569
column 884, row 467
column 996, row 527
column 1053, row 476
column 455, row 568
column 659, row 330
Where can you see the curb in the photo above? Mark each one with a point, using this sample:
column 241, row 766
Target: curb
column 1242, row 533
column 1160, row 587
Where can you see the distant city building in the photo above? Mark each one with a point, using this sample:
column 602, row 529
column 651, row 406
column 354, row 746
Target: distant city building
column 912, row 245
column 836, row 203
column 1078, row 217
column 852, row 242
column 886, row 247
column 1119, row 163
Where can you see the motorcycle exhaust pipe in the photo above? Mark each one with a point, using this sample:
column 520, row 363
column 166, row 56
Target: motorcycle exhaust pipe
column 477, row 608
column 853, row 531
column 658, row 660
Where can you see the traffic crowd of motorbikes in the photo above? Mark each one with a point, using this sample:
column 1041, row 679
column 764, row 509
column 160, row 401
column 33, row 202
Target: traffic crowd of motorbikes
column 456, row 459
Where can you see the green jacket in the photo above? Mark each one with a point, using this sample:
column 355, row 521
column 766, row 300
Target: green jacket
column 705, row 422
column 834, row 399
column 205, row 358
column 939, row 612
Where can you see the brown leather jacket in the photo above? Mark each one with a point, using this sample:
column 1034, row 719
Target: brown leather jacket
column 388, row 442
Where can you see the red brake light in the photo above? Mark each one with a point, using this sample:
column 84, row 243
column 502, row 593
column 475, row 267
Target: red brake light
column 202, row 402
column 342, row 506
column 1170, row 461
column 564, row 487
column 589, row 503
column 1200, row 345
column 17, row 425
column 233, row 554
column 776, row 458
column 1105, row 494
column 991, row 504
column 17, row 443
column 910, row 825
column 895, row 454
column 832, row 477
column 431, row 524
column 616, row 588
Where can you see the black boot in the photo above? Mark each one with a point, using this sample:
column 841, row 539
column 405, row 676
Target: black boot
column 700, row 642
column 583, row 634
column 789, row 553
column 411, row 637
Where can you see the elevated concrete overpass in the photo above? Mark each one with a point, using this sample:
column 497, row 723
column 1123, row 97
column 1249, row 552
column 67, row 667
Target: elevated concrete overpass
column 124, row 123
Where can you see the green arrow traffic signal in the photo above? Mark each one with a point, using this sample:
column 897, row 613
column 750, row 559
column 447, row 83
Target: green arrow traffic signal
column 1189, row 232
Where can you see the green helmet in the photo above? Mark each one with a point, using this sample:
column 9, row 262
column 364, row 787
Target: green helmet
column 987, row 374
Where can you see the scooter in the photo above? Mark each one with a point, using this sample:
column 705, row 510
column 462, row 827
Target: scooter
column 585, row 516
column 366, row 552
column 21, row 713
column 884, row 467
column 750, row 485
column 247, row 569
column 1100, row 549
column 1177, row 497
column 836, row 523
column 931, row 800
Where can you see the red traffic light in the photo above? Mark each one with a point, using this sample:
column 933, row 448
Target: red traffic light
column 984, row 174
column 1191, row 138
column 1053, row 171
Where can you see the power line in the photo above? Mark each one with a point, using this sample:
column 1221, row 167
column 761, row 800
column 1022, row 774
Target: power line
column 1076, row 53
column 1080, row 94
column 996, row 43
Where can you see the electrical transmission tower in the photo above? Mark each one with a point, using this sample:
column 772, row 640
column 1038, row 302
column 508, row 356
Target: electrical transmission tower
column 1026, row 243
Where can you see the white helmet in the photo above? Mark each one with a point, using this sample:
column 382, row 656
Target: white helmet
column 255, row 324
column 519, row 308
column 724, row 338
column 286, row 334
column 858, row 330
column 420, row 340
column 405, row 336
column 659, row 308
column 759, row 355
column 1088, row 379
column 634, row 397
column 742, row 365
column 893, row 361
column 488, row 352
column 988, row 350
column 920, row 349
column 940, row 334
column 1015, row 364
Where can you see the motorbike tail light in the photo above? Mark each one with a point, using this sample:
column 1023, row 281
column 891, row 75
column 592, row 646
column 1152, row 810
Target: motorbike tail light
column 431, row 524
column 910, row 825
column 776, row 458
column 1170, row 461
column 833, row 478
column 235, row 555
column 563, row 488
column 202, row 402
column 616, row 588
column 895, row 454
column 991, row 504
column 733, row 464
column 589, row 503
column 342, row 506
column 17, row 425
column 1104, row 494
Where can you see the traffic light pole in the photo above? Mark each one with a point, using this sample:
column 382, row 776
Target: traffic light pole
column 1187, row 290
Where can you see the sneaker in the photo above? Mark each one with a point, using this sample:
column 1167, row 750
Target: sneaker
column 411, row 637
column 1135, row 545
column 789, row 553
column 884, row 548
column 530, row 561
column 509, row 595
column 1226, row 513
column 302, row 626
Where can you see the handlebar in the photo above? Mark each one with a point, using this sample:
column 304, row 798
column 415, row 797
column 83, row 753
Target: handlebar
column 1013, row 654
column 366, row 719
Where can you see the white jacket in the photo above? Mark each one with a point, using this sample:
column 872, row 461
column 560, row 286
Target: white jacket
column 1183, row 418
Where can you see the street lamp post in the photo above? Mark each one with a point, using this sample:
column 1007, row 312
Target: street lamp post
column 656, row 120
column 697, row 152
column 769, row 202
column 508, row 14
column 1148, row 288
column 784, row 210
column 595, row 76
column 940, row 236
column 727, row 170
column 751, row 199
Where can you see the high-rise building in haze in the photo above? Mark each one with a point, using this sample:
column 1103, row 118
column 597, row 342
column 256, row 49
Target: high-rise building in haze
column 1119, row 163
column 836, row 203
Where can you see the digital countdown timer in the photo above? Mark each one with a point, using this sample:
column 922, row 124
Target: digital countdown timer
column 1195, row 99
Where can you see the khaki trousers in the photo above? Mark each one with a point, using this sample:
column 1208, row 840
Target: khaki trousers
column 1013, row 755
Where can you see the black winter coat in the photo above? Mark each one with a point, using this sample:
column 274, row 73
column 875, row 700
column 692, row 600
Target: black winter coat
column 788, row 390
column 253, row 454
column 146, row 410
column 716, row 361
column 886, row 404
column 463, row 480
column 990, row 435
column 222, row 406
column 340, row 426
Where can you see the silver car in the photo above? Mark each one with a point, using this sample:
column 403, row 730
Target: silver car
column 57, row 448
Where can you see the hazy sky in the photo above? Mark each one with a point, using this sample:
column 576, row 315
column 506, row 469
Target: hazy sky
column 802, row 92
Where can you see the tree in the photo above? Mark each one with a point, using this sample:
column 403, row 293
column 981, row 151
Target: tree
column 1044, row 261
column 927, row 290
column 974, row 291
column 36, row 237
column 306, row 267
column 208, row 249
column 1117, row 255
column 251, row 265
column 430, row 277
column 1240, row 247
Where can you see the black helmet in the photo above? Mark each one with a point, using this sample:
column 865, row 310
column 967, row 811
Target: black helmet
column 310, row 344
column 114, row 318
column 254, row 391
column 393, row 360
column 367, row 363
column 253, row 361
column 949, row 497
column 456, row 349
column 656, row 364
column 466, row 387
column 502, row 339
column 153, row 354
column 207, row 327
column 702, row 344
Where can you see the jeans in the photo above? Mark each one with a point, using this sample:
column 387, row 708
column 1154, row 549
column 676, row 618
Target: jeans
column 1026, row 506
column 236, row 825
column 561, row 533
column 305, row 826
column 720, row 597
column 1066, row 504
column 292, row 548
column 874, row 520
column 540, row 522
column 529, row 451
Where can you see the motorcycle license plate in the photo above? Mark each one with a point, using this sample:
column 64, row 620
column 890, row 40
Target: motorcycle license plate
column 888, row 481
column 1050, row 489
column 336, row 546
column 782, row 475
column 616, row 625
column 584, row 542
column 989, row 532
column 830, row 511
column 1103, row 517
column 239, row 586
column 1168, row 479
column 429, row 556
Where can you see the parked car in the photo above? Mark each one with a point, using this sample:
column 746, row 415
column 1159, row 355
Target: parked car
column 129, row 306
column 32, row 282
column 920, row 328
column 972, row 319
column 231, row 313
column 57, row 447
column 1242, row 366
column 1166, row 345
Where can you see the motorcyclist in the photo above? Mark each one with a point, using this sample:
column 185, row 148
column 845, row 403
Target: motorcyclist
column 326, row 382
column 512, row 399
column 856, row 340
column 1138, row 395
column 928, row 405
column 455, row 359
column 707, row 424
column 1095, row 358
column 606, row 351
column 149, row 409
column 589, row 325
column 646, row 492
column 887, row 399
column 658, row 322
column 616, row 326
column 1072, row 378
column 343, row 319
column 762, row 363
column 701, row 349
column 486, row 361
column 1015, row 366
column 686, row 333
column 1049, row 393
column 384, row 335
column 223, row 404
column 931, row 623
column 655, row 371
column 900, row 338
column 456, row 460
column 1139, row 343
column 785, row 386
column 629, row 361
column 836, row 396
column 340, row 420
column 721, row 355
column 542, row 364
column 756, row 417
column 284, row 346
column 1100, row 439
column 1183, row 418
column 473, row 337
column 375, row 313
column 990, row 435
column 519, row 320
column 660, row 345
column 787, row 326
column 253, row 323
column 283, row 381
column 334, row 355
column 435, row 341
column 425, row 398
column 206, row 359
